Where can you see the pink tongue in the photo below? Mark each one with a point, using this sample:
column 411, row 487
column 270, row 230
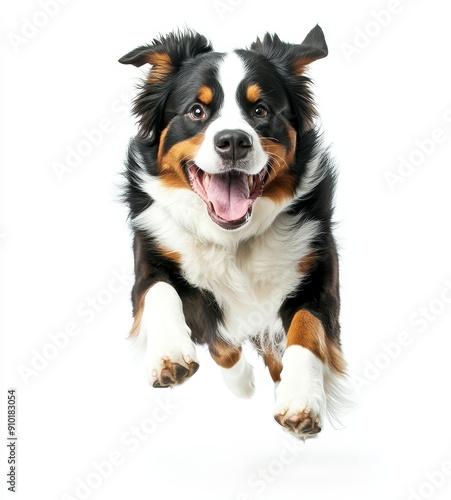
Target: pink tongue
column 229, row 195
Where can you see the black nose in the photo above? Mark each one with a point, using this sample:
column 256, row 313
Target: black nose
column 233, row 144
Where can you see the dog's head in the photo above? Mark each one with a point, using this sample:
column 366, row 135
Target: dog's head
column 227, row 126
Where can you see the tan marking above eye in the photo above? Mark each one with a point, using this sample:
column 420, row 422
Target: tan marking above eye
column 253, row 93
column 205, row 95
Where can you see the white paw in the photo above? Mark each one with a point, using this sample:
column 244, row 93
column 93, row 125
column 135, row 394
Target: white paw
column 170, row 352
column 171, row 366
column 300, row 398
column 240, row 379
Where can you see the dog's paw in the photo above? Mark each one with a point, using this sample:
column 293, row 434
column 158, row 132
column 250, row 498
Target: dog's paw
column 172, row 368
column 171, row 373
column 303, row 423
column 300, row 397
column 170, row 353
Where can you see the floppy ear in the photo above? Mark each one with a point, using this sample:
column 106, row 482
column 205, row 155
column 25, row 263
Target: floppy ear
column 166, row 56
column 167, row 53
column 293, row 58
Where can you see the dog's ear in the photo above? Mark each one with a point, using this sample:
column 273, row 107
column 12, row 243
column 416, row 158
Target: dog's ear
column 292, row 58
column 167, row 53
column 291, row 61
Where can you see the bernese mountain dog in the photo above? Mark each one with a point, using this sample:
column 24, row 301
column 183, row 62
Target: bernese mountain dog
column 230, row 192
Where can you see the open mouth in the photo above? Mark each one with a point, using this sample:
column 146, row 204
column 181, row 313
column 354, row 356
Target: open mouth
column 229, row 197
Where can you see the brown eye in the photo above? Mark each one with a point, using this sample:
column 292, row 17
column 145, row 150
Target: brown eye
column 260, row 112
column 197, row 112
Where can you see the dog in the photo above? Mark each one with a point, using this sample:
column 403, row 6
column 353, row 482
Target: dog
column 230, row 194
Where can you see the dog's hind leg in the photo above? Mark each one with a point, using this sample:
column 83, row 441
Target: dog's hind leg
column 237, row 373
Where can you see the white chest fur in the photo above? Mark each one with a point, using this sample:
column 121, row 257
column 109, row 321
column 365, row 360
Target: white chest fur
column 251, row 281
column 250, row 271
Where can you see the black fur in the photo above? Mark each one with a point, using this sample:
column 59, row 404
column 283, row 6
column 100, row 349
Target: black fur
column 274, row 65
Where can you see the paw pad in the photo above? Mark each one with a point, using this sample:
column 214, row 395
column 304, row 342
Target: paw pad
column 301, row 424
column 174, row 373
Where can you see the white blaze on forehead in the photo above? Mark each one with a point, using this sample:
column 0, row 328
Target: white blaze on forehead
column 231, row 73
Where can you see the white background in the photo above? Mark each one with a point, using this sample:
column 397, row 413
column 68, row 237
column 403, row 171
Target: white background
column 63, row 240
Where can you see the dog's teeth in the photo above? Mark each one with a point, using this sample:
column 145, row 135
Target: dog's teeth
column 251, row 182
column 206, row 181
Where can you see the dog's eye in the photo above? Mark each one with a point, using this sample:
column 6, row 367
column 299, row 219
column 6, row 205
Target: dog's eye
column 260, row 112
column 197, row 112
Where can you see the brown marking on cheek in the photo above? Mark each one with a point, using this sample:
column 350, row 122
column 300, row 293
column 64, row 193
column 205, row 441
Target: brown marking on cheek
column 280, row 184
column 205, row 95
column 274, row 366
column 173, row 180
column 280, row 188
column 224, row 355
column 283, row 157
column 171, row 162
column 161, row 67
column 307, row 331
column 306, row 263
column 253, row 93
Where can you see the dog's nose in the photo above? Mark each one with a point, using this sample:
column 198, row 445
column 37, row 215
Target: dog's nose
column 232, row 144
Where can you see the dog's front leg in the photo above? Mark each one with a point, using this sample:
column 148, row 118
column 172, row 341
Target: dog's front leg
column 309, row 362
column 170, row 352
column 237, row 373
